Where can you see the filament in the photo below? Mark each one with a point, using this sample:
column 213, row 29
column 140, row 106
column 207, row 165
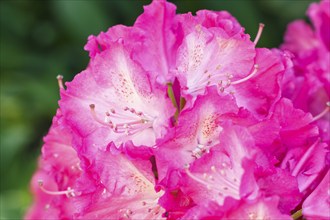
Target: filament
column 323, row 113
column 254, row 72
column 60, row 81
column 68, row 193
column 261, row 27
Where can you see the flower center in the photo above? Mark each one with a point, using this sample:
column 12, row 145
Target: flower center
column 223, row 81
column 124, row 121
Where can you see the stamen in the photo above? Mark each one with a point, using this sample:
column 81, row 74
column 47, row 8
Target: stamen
column 60, row 81
column 198, row 179
column 323, row 113
column 127, row 121
column 92, row 108
column 206, row 79
column 68, row 193
column 254, row 72
column 228, row 185
column 261, row 27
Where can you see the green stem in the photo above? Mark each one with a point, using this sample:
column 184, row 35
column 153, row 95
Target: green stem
column 178, row 106
column 170, row 94
column 297, row 214
column 182, row 103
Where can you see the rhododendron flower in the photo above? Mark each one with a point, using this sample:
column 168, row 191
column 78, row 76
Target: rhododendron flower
column 183, row 117
column 59, row 167
column 308, row 85
column 118, row 96
column 117, row 186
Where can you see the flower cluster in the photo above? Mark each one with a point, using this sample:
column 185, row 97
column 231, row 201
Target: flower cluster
column 181, row 116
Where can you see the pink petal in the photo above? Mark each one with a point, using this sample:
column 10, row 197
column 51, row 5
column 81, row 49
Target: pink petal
column 317, row 204
column 306, row 163
column 261, row 92
column 262, row 208
column 296, row 127
column 282, row 184
column 160, row 39
column 299, row 37
column 320, row 16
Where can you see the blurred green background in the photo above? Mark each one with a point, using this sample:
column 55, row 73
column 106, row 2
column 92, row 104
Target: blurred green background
column 41, row 39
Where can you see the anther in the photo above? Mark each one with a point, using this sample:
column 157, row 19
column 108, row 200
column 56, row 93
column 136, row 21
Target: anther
column 323, row 113
column 60, row 81
column 222, row 172
column 213, row 169
column 261, row 27
column 252, row 215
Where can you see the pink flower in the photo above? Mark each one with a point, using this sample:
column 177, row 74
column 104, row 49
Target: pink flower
column 222, row 172
column 118, row 187
column 59, row 168
column 309, row 84
column 115, row 100
column 181, row 116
